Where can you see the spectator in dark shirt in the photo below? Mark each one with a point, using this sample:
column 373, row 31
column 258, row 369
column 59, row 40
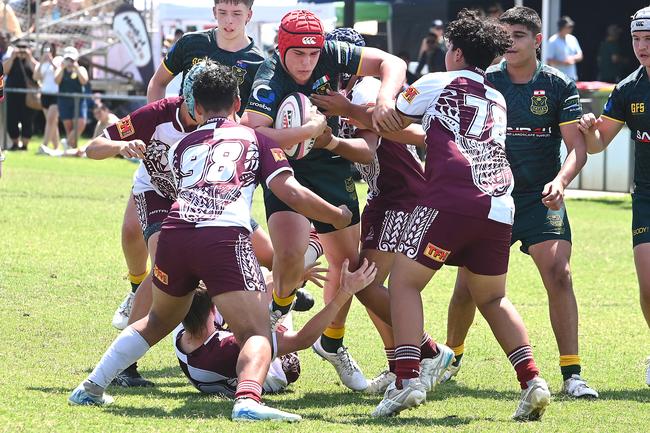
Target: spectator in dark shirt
column 19, row 65
column 610, row 56
column 433, row 49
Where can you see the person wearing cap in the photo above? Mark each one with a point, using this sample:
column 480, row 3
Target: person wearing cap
column 433, row 49
column 306, row 63
column 564, row 51
column 71, row 78
column 627, row 105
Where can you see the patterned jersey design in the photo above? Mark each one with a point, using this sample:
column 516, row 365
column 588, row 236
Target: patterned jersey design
column 216, row 170
column 467, row 170
column 417, row 226
column 391, row 230
column 158, row 126
column 248, row 265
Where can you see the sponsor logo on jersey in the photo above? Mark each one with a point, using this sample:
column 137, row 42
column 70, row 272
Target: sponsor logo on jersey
column 523, row 131
column 278, row 154
column 643, row 136
column 309, row 40
column 125, row 127
column 640, row 231
column 637, row 107
column 436, row 253
column 410, row 94
column 196, row 60
column 162, row 277
column 322, row 85
column 264, row 94
column 539, row 102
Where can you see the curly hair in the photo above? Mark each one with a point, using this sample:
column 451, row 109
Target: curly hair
column 480, row 40
column 524, row 16
column 215, row 87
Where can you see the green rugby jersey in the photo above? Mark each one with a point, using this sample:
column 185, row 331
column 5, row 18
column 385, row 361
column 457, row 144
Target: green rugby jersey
column 536, row 110
column 272, row 83
column 196, row 46
column 626, row 104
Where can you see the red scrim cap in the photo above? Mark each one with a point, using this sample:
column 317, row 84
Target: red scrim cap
column 300, row 29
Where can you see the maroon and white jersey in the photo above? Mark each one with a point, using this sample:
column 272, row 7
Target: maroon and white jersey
column 465, row 122
column 211, row 368
column 158, row 125
column 216, row 170
column 395, row 174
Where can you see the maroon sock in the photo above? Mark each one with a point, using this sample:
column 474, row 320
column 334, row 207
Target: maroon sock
column 249, row 389
column 428, row 347
column 522, row 360
column 390, row 356
column 407, row 363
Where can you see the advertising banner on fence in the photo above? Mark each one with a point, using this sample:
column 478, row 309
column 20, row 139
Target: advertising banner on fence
column 129, row 26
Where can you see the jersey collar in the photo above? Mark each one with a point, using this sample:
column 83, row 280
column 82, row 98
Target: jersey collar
column 503, row 68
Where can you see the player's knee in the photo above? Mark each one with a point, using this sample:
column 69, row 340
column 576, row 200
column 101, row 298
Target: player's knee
column 559, row 277
column 461, row 297
column 289, row 259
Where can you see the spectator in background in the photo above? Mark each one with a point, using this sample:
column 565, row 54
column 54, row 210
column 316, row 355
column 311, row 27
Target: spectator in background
column 45, row 73
column 564, row 51
column 433, row 49
column 494, row 10
column 19, row 65
column 104, row 117
column 610, row 56
column 71, row 78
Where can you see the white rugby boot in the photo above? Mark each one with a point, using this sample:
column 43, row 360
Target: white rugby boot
column 379, row 384
column 121, row 316
column 346, row 367
column 412, row 394
column 248, row 410
column 577, row 387
column 433, row 369
column 534, row 400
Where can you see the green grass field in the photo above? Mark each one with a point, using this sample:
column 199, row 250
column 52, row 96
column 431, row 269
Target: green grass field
column 62, row 276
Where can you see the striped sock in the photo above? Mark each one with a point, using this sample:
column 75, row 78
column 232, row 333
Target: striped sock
column 569, row 365
column 249, row 389
column 390, row 355
column 135, row 280
column 407, row 363
column 522, row 360
column 428, row 347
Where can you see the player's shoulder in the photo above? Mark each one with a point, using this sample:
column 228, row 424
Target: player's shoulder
column 555, row 76
column 366, row 89
column 197, row 37
column 553, row 38
column 252, row 52
column 631, row 81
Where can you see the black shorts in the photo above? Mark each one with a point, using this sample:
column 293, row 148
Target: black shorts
column 640, row 218
column 48, row 100
column 330, row 179
column 535, row 223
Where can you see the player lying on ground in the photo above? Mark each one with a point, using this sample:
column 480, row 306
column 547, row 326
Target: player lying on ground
column 463, row 213
column 306, row 63
column 626, row 105
column 393, row 177
column 206, row 237
column 207, row 351
column 543, row 108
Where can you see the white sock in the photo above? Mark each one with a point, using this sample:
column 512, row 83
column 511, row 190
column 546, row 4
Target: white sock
column 127, row 348
column 314, row 251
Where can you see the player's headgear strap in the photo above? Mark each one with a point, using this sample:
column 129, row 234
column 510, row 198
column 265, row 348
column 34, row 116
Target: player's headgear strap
column 188, row 85
column 299, row 29
column 641, row 21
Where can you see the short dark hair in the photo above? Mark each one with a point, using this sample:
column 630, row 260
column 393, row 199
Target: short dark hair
column 215, row 88
column 480, row 40
column 196, row 318
column 524, row 16
column 248, row 3
column 565, row 21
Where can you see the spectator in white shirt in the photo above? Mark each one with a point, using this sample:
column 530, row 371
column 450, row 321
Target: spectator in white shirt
column 564, row 51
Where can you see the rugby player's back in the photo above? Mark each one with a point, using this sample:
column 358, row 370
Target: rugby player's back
column 216, row 170
column 464, row 118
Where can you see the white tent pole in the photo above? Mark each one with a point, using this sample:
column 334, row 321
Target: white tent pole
column 546, row 27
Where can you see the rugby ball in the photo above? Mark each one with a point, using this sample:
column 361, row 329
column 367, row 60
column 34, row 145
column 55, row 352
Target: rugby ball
column 294, row 111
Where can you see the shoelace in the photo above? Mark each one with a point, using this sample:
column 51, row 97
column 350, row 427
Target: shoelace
column 348, row 363
column 126, row 306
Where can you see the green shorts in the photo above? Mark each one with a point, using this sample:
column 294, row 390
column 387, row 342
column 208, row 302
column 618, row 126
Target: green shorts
column 535, row 223
column 328, row 177
column 640, row 218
